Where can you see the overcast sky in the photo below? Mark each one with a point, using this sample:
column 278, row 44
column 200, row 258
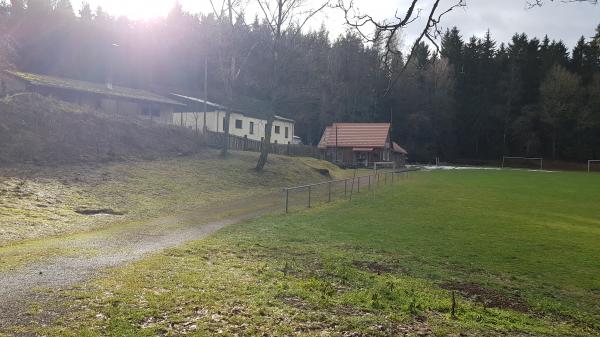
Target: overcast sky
column 561, row 21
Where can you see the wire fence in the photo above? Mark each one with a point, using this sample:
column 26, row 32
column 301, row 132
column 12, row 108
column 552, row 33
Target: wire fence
column 307, row 196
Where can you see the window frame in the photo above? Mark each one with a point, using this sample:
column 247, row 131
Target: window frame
column 277, row 129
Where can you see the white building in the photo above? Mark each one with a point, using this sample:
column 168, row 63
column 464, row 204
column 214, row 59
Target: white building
column 242, row 124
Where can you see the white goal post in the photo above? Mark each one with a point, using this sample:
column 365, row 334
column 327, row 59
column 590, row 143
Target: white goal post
column 389, row 164
column 590, row 163
column 541, row 160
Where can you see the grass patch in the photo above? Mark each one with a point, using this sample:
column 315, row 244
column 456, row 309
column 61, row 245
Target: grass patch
column 518, row 248
column 40, row 203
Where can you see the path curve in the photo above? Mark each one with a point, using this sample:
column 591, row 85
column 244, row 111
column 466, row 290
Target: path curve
column 18, row 288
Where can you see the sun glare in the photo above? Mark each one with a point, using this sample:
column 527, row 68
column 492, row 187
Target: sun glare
column 137, row 9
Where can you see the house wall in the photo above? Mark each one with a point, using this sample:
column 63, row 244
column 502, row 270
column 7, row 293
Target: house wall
column 214, row 122
column 347, row 156
column 121, row 107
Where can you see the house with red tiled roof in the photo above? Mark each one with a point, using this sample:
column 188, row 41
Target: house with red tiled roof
column 360, row 144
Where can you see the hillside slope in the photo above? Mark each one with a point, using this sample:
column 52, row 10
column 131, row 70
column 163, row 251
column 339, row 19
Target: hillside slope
column 42, row 130
column 38, row 202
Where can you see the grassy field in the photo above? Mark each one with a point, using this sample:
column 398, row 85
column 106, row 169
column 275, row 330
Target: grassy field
column 519, row 250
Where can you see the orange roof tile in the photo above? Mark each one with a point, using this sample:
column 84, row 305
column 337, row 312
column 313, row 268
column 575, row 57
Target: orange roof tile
column 361, row 135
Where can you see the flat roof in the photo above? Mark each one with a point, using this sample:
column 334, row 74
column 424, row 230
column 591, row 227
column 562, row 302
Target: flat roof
column 224, row 108
column 91, row 87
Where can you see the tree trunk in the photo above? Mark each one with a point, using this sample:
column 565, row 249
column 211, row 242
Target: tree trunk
column 264, row 153
column 225, row 147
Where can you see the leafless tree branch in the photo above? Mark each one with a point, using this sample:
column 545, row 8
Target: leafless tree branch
column 540, row 3
column 388, row 30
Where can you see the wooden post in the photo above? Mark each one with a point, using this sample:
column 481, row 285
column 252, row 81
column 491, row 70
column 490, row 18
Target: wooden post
column 309, row 190
column 345, row 187
column 358, row 186
column 329, row 191
column 369, row 187
column 287, row 198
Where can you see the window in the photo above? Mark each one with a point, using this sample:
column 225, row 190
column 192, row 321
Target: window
column 251, row 128
column 224, row 122
column 238, row 124
column 150, row 111
column 277, row 129
column 287, row 132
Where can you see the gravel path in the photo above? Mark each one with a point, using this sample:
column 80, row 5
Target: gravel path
column 113, row 248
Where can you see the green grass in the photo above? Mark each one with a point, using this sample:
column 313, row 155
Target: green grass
column 37, row 207
column 520, row 249
column 38, row 203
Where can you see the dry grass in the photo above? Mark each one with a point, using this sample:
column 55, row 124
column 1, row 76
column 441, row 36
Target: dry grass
column 44, row 202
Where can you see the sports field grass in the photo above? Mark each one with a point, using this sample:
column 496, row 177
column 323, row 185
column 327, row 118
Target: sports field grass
column 519, row 249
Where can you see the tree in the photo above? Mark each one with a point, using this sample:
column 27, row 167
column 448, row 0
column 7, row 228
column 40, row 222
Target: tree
column 85, row 13
column 230, row 59
column 285, row 19
column 7, row 50
column 559, row 98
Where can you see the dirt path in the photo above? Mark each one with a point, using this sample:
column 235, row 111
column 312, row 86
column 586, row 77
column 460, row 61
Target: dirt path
column 110, row 248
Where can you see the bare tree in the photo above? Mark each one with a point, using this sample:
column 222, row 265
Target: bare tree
column 286, row 19
column 539, row 3
column 388, row 30
column 228, row 58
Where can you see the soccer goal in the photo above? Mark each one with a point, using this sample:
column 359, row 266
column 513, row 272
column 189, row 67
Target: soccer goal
column 592, row 162
column 506, row 160
column 383, row 165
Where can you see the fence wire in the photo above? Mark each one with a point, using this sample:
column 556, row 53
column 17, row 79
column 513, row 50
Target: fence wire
column 306, row 196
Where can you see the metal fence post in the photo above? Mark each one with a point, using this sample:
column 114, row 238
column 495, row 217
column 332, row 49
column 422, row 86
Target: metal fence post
column 309, row 190
column 345, row 187
column 329, row 191
column 287, row 199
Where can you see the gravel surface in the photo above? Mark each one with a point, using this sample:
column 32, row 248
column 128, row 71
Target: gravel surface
column 18, row 289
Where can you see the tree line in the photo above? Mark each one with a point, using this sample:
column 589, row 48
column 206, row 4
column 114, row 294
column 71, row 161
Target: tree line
column 475, row 98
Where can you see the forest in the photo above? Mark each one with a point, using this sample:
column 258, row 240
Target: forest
column 473, row 99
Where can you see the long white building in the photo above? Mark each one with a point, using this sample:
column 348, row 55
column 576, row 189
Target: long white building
column 242, row 124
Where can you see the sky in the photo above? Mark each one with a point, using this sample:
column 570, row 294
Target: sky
column 561, row 21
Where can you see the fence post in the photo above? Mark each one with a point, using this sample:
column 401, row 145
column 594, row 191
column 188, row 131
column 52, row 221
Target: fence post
column 385, row 178
column 358, row 188
column 309, row 190
column 369, row 187
column 329, row 192
column 287, row 198
column 345, row 187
